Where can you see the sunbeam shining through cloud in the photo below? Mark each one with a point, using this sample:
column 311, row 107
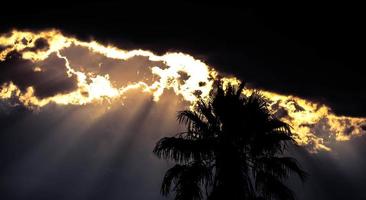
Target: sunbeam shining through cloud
column 41, row 68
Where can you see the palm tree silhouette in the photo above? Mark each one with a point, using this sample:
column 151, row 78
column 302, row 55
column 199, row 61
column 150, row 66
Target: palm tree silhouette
column 233, row 148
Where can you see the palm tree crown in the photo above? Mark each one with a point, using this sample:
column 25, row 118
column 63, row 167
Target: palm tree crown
column 232, row 149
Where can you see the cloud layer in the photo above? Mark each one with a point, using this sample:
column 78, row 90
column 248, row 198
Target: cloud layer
column 47, row 67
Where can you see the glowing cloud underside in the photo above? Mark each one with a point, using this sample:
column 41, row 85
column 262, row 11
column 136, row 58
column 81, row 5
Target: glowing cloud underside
column 314, row 125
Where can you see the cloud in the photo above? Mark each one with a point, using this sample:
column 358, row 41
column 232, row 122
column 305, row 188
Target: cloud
column 63, row 70
column 48, row 77
column 120, row 72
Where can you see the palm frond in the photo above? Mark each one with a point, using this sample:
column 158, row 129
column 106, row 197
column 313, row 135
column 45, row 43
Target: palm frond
column 276, row 124
column 270, row 187
column 193, row 121
column 187, row 180
column 183, row 149
column 170, row 176
column 292, row 165
column 206, row 111
column 281, row 167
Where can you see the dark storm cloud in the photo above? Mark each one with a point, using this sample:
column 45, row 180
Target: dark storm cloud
column 51, row 80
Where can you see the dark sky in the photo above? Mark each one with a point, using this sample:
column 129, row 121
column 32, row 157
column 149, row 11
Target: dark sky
column 309, row 50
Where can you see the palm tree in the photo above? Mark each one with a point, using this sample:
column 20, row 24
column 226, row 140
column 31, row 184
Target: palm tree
column 233, row 148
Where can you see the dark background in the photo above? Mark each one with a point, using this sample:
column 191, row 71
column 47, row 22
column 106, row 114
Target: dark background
column 308, row 49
